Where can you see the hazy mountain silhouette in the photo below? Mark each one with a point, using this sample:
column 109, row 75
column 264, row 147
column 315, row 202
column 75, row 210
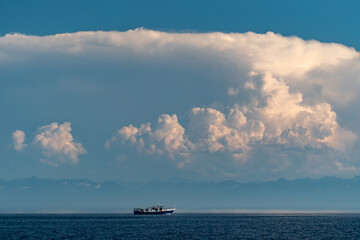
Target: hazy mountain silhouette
column 81, row 195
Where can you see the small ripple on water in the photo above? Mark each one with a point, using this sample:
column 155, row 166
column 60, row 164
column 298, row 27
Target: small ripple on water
column 180, row 226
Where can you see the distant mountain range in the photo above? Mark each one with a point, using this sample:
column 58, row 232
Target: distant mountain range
column 81, row 195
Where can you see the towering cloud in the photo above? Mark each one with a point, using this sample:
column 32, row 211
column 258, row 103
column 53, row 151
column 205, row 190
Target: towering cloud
column 289, row 121
column 215, row 95
column 267, row 105
column 274, row 116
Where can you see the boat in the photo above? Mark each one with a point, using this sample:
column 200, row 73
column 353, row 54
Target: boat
column 154, row 210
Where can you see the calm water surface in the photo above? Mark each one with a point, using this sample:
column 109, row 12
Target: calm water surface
column 181, row 226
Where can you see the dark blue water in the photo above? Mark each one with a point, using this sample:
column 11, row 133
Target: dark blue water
column 181, row 226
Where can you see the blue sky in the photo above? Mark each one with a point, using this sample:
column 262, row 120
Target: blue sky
column 157, row 89
column 327, row 21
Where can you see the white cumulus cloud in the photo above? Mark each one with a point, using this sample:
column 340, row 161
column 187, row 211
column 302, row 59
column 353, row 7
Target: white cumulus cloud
column 56, row 141
column 214, row 132
column 166, row 138
column 289, row 120
column 274, row 116
column 18, row 138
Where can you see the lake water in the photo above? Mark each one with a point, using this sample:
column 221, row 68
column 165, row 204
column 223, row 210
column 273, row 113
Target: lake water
column 180, row 226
